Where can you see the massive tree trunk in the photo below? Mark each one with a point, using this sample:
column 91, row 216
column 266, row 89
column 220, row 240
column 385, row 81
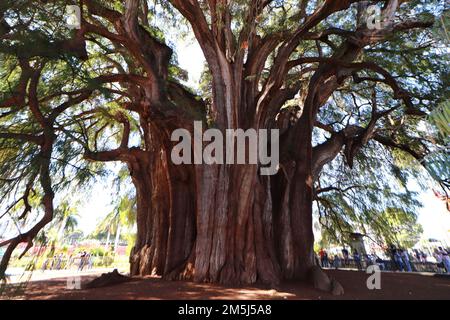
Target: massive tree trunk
column 220, row 223
column 234, row 226
column 294, row 220
column 219, row 226
column 165, row 209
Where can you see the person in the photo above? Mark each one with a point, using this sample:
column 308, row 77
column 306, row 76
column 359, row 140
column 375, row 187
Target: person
column 336, row 261
column 438, row 256
column 82, row 261
column 322, row 257
column 391, row 253
column 398, row 260
column 325, row 259
column 423, row 257
column 446, row 261
column 405, row 259
column 69, row 261
column 417, row 255
column 53, row 263
column 368, row 259
column 345, row 255
column 90, row 261
column 45, row 264
column 379, row 262
column 59, row 261
column 357, row 259
column 317, row 260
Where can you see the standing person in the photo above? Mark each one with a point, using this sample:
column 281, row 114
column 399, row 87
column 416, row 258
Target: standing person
column 398, row 260
column 336, row 261
column 446, row 260
column 417, row 255
column 59, row 261
column 317, row 260
column 405, row 257
column 423, row 257
column 368, row 259
column 322, row 257
column 82, row 261
column 90, row 261
column 379, row 262
column 438, row 256
column 357, row 259
column 69, row 262
column 53, row 265
column 45, row 264
column 345, row 255
column 325, row 259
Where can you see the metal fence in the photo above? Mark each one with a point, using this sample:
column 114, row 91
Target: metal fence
column 387, row 265
column 63, row 263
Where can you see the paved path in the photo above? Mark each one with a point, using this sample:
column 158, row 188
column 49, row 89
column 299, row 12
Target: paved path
column 18, row 275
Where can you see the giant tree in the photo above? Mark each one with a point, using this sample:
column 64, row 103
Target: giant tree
column 334, row 78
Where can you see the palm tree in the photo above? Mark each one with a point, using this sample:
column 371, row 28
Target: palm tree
column 122, row 217
column 66, row 218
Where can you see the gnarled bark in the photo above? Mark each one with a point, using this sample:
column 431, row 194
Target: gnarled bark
column 218, row 223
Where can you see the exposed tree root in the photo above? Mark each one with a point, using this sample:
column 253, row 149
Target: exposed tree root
column 107, row 279
column 323, row 282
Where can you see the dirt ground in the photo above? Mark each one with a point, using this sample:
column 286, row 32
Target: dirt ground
column 393, row 286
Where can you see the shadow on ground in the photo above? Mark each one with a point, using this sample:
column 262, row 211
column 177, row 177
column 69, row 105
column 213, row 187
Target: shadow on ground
column 393, row 286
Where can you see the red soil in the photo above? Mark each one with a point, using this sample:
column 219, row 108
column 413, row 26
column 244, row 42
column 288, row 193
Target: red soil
column 393, row 286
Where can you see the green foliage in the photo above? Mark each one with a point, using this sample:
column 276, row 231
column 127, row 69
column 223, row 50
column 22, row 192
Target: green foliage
column 440, row 117
column 99, row 252
column 363, row 194
column 396, row 226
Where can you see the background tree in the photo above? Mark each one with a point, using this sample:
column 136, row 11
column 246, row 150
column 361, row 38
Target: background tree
column 119, row 223
column 392, row 226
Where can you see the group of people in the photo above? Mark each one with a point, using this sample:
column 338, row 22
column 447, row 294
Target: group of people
column 342, row 260
column 442, row 257
column 400, row 259
column 403, row 260
column 420, row 256
column 61, row 261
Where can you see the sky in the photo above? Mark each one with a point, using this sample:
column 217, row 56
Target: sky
column 192, row 60
column 434, row 218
